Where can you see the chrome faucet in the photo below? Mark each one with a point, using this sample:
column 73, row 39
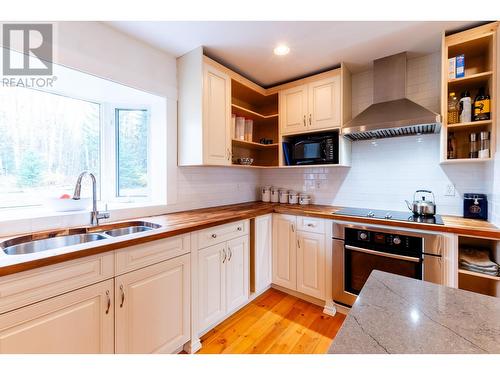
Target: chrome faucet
column 95, row 215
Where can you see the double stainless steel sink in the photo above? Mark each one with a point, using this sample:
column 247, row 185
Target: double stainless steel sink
column 68, row 237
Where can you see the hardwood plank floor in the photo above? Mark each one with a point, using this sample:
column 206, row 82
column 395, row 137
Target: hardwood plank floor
column 275, row 322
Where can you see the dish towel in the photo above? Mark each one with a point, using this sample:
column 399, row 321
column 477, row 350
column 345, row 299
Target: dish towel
column 478, row 260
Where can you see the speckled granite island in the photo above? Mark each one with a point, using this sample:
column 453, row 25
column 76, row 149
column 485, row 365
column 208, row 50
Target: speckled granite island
column 395, row 314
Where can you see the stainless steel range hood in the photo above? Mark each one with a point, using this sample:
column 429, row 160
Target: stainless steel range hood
column 392, row 114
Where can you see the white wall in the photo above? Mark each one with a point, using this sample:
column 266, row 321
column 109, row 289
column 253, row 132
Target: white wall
column 383, row 176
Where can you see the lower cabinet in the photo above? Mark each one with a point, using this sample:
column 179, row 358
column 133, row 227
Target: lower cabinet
column 263, row 249
column 311, row 264
column 152, row 308
column 299, row 256
column 143, row 311
column 223, row 280
column 79, row 322
column 284, row 251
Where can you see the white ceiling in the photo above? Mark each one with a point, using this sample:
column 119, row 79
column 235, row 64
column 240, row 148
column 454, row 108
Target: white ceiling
column 247, row 47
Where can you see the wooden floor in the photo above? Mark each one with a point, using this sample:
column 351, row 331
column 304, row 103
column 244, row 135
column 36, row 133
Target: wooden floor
column 274, row 322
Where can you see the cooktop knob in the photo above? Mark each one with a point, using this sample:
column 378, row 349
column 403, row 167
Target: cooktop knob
column 363, row 236
column 396, row 240
column 370, row 214
column 388, row 215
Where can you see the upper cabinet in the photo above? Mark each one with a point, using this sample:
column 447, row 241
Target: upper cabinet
column 293, row 110
column 469, row 67
column 204, row 112
column 225, row 119
column 216, row 118
column 310, row 107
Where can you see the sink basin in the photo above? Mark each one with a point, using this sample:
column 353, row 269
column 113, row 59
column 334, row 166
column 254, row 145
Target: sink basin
column 127, row 230
column 54, row 240
column 24, row 245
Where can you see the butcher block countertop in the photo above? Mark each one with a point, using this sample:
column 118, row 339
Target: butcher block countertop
column 173, row 224
column 400, row 315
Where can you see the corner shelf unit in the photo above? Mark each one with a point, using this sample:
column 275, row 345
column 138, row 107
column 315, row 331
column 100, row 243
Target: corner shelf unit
column 262, row 109
column 475, row 281
column 480, row 47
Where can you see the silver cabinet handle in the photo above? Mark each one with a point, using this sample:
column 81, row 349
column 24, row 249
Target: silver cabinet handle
column 387, row 255
column 304, row 120
column 230, row 254
column 310, row 225
column 109, row 302
column 123, row 296
column 298, row 243
column 225, row 255
column 310, row 119
column 228, row 154
column 214, row 235
column 293, row 228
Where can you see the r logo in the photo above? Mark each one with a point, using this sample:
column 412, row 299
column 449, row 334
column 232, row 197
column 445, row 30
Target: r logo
column 36, row 41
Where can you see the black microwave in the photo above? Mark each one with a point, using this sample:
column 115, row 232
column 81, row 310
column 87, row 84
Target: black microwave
column 313, row 149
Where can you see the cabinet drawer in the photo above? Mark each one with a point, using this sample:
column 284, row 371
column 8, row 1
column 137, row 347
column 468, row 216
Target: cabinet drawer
column 222, row 233
column 138, row 256
column 310, row 224
column 32, row 286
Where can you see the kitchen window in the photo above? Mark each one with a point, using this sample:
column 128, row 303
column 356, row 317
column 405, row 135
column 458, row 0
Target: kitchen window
column 49, row 137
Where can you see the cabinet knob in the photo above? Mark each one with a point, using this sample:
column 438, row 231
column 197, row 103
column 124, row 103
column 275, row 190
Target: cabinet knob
column 214, row 235
column 310, row 119
column 239, row 228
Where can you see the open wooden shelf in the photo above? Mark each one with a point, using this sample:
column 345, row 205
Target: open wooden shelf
column 478, row 274
column 469, row 124
column 465, row 160
column 479, row 47
column 473, row 79
column 253, row 145
column 249, row 114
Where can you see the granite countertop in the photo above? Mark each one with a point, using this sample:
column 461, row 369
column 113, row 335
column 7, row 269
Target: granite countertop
column 400, row 315
column 176, row 223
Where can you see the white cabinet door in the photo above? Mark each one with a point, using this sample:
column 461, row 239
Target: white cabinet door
column 324, row 103
column 237, row 275
column 263, row 252
column 284, row 251
column 212, row 284
column 293, row 110
column 216, row 116
column 77, row 322
column 152, row 308
column 311, row 264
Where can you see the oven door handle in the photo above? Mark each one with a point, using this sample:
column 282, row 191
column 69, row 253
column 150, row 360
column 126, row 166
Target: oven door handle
column 388, row 255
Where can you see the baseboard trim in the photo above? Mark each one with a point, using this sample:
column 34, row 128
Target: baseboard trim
column 192, row 347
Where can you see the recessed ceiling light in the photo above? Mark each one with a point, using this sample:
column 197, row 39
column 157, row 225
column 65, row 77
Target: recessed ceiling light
column 281, row 50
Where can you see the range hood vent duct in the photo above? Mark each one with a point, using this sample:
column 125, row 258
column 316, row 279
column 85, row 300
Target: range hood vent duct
column 391, row 114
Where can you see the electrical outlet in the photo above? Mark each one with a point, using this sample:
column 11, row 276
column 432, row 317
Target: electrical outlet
column 450, row 190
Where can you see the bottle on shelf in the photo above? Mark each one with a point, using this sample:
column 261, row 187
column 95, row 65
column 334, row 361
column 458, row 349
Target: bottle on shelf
column 484, row 147
column 452, row 146
column 465, row 107
column 473, row 146
column 452, row 108
column 481, row 105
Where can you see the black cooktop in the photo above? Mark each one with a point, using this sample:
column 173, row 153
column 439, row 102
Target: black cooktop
column 390, row 215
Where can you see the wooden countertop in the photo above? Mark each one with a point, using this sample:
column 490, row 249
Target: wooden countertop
column 187, row 221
